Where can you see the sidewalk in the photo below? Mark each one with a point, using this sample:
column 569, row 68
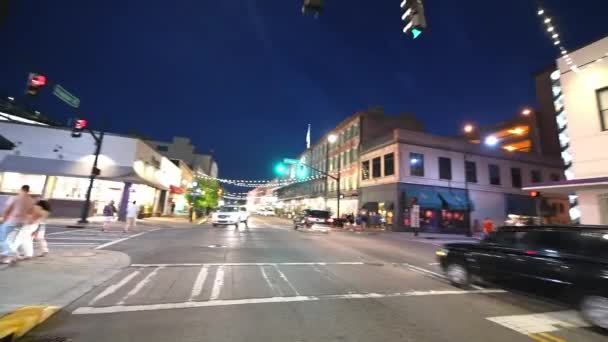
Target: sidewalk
column 151, row 222
column 35, row 289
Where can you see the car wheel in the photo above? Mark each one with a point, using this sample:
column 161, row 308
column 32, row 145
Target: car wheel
column 458, row 275
column 215, row 225
column 595, row 310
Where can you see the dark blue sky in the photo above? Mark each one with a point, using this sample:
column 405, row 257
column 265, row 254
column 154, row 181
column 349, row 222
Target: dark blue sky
column 245, row 77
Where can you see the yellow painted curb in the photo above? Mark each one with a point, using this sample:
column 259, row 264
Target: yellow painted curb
column 22, row 320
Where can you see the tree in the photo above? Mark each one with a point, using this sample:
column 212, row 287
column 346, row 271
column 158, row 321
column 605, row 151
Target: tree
column 204, row 194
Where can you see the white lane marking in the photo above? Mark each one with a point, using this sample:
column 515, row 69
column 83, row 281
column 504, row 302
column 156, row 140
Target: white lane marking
column 114, row 287
column 273, row 288
column 139, row 285
column 71, row 244
column 79, row 238
column 70, row 232
column 424, row 270
column 282, row 275
column 185, row 305
column 433, row 263
column 123, row 239
column 251, row 264
column 217, row 284
column 199, row 282
column 541, row 322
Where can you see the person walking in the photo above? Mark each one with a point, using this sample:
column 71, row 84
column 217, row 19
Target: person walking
column 108, row 213
column 15, row 216
column 24, row 239
column 132, row 212
column 40, row 234
column 488, row 226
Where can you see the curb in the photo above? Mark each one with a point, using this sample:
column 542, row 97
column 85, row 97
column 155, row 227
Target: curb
column 19, row 322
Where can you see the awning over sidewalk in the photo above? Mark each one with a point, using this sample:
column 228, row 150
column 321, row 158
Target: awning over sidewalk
column 427, row 199
column 570, row 186
column 454, row 201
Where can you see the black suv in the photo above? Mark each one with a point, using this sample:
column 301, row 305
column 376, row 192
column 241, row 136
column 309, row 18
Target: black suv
column 310, row 217
column 571, row 258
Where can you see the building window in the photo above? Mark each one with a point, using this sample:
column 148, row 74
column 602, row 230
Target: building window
column 555, row 177
column 365, row 170
column 162, row 148
column 389, row 164
column 471, row 171
column 417, row 164
column 516, row 177
column 347, row 157
column 494, row 171
column 602, row 101
column 445, row 168
column 376, row 171
column 536, row 176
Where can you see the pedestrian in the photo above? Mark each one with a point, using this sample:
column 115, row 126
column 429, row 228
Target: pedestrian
column 15, row 216
column 488, row 226
column 172, row 208
column 40, row 234
column 108, row 213
column 132, row 212
column 24, row 239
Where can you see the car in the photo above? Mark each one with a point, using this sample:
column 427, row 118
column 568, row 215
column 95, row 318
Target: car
column 230, row 215
column 572, row 260
column 319, row 220
column 266, row 212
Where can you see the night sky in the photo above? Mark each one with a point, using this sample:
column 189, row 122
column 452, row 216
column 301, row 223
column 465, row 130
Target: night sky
column 245, row 77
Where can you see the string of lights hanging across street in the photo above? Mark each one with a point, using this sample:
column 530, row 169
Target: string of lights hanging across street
column 558, row 43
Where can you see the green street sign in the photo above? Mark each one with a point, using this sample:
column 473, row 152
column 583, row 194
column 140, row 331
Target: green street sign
column 66, row 96
column 291, row 161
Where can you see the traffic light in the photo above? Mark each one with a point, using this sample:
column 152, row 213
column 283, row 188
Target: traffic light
column 313, row 6
column 280, row 169
column 535, row 194
column 35, row 82
column 413, row 16
column 78, row 127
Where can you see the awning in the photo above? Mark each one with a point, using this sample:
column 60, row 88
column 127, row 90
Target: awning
column 176, row 190
column 570, row 186
column 427, row 199
column 453, row 201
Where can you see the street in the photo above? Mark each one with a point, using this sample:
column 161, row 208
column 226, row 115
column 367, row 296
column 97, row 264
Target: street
column 271, row 283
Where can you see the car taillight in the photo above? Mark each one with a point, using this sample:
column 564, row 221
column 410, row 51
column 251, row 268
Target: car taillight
column 330, row 220
column 530, row 252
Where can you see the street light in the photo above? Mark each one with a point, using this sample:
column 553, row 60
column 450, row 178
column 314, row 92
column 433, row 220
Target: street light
column 332, row 138
column 526, row 112
column 468, row 128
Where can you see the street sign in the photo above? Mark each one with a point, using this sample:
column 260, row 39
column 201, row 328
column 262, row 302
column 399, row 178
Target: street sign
column 66, row 96
column 291, row 161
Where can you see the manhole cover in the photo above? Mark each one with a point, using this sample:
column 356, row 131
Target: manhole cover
column 216, row 246
column 77, row 254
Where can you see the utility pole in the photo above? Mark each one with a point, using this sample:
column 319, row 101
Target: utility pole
column 94, row 173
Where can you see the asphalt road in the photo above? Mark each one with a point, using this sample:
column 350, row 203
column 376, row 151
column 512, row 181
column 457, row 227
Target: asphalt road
column 271, row 283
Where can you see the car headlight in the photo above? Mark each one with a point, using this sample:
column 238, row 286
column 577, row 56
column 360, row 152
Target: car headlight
column 442, row 252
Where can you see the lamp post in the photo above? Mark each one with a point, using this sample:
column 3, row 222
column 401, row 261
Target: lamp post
column 332, row 138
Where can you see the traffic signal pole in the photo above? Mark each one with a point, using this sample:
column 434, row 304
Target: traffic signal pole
column 94, row 173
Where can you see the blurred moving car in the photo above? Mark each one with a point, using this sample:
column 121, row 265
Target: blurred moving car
column 230, row 215
column 572, row 260
column 266, row 212
column 320, row 220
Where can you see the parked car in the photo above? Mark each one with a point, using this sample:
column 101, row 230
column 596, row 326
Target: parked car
column 314, row 219
column 570, row 259
column 266, row 212
column 230, row 215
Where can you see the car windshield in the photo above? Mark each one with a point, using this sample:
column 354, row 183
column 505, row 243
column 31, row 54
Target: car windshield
column 317, row 213
column 227, row 209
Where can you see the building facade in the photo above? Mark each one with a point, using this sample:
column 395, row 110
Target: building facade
column 456, row 183
column 57, row 167
column 580, row 94
column 340, row 157
column 182, row 149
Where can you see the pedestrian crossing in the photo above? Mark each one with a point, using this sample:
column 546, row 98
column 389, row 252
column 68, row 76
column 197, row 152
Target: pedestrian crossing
column 166, row 286
column 89, row 238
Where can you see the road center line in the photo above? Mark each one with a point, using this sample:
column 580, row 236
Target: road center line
column 140, row 285
column 217, row 284
column 114, row 287
column 190, row 304
column 199, row 282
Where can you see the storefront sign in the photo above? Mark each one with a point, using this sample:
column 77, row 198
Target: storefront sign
column 415, row 216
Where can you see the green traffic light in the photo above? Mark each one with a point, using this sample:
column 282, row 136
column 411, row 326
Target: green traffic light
column 280, row 169
column 416, row 33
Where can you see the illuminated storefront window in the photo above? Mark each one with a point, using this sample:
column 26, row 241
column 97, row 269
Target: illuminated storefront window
column 12, row 182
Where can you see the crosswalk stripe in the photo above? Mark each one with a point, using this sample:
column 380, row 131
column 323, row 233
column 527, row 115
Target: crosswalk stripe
column 282, row 275
column 199, row 282
column 218, row 283
column 139, row 285
column 274, row 289
column 114, row 287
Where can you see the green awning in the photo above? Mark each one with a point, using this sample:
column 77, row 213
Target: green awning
column 453, row 200
column 427, row 199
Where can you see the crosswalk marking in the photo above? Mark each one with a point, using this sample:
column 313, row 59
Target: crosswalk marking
column 282, row 275
column 114, row 287
column 541, row 322
column 140, row 285
column 253, row 264
column 199, row 282
column 273, row 288
column 217, row 284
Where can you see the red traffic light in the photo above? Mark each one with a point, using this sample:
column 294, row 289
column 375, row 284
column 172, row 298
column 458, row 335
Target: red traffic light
column 37, row 80
column 534, row 194
column 80, row 124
